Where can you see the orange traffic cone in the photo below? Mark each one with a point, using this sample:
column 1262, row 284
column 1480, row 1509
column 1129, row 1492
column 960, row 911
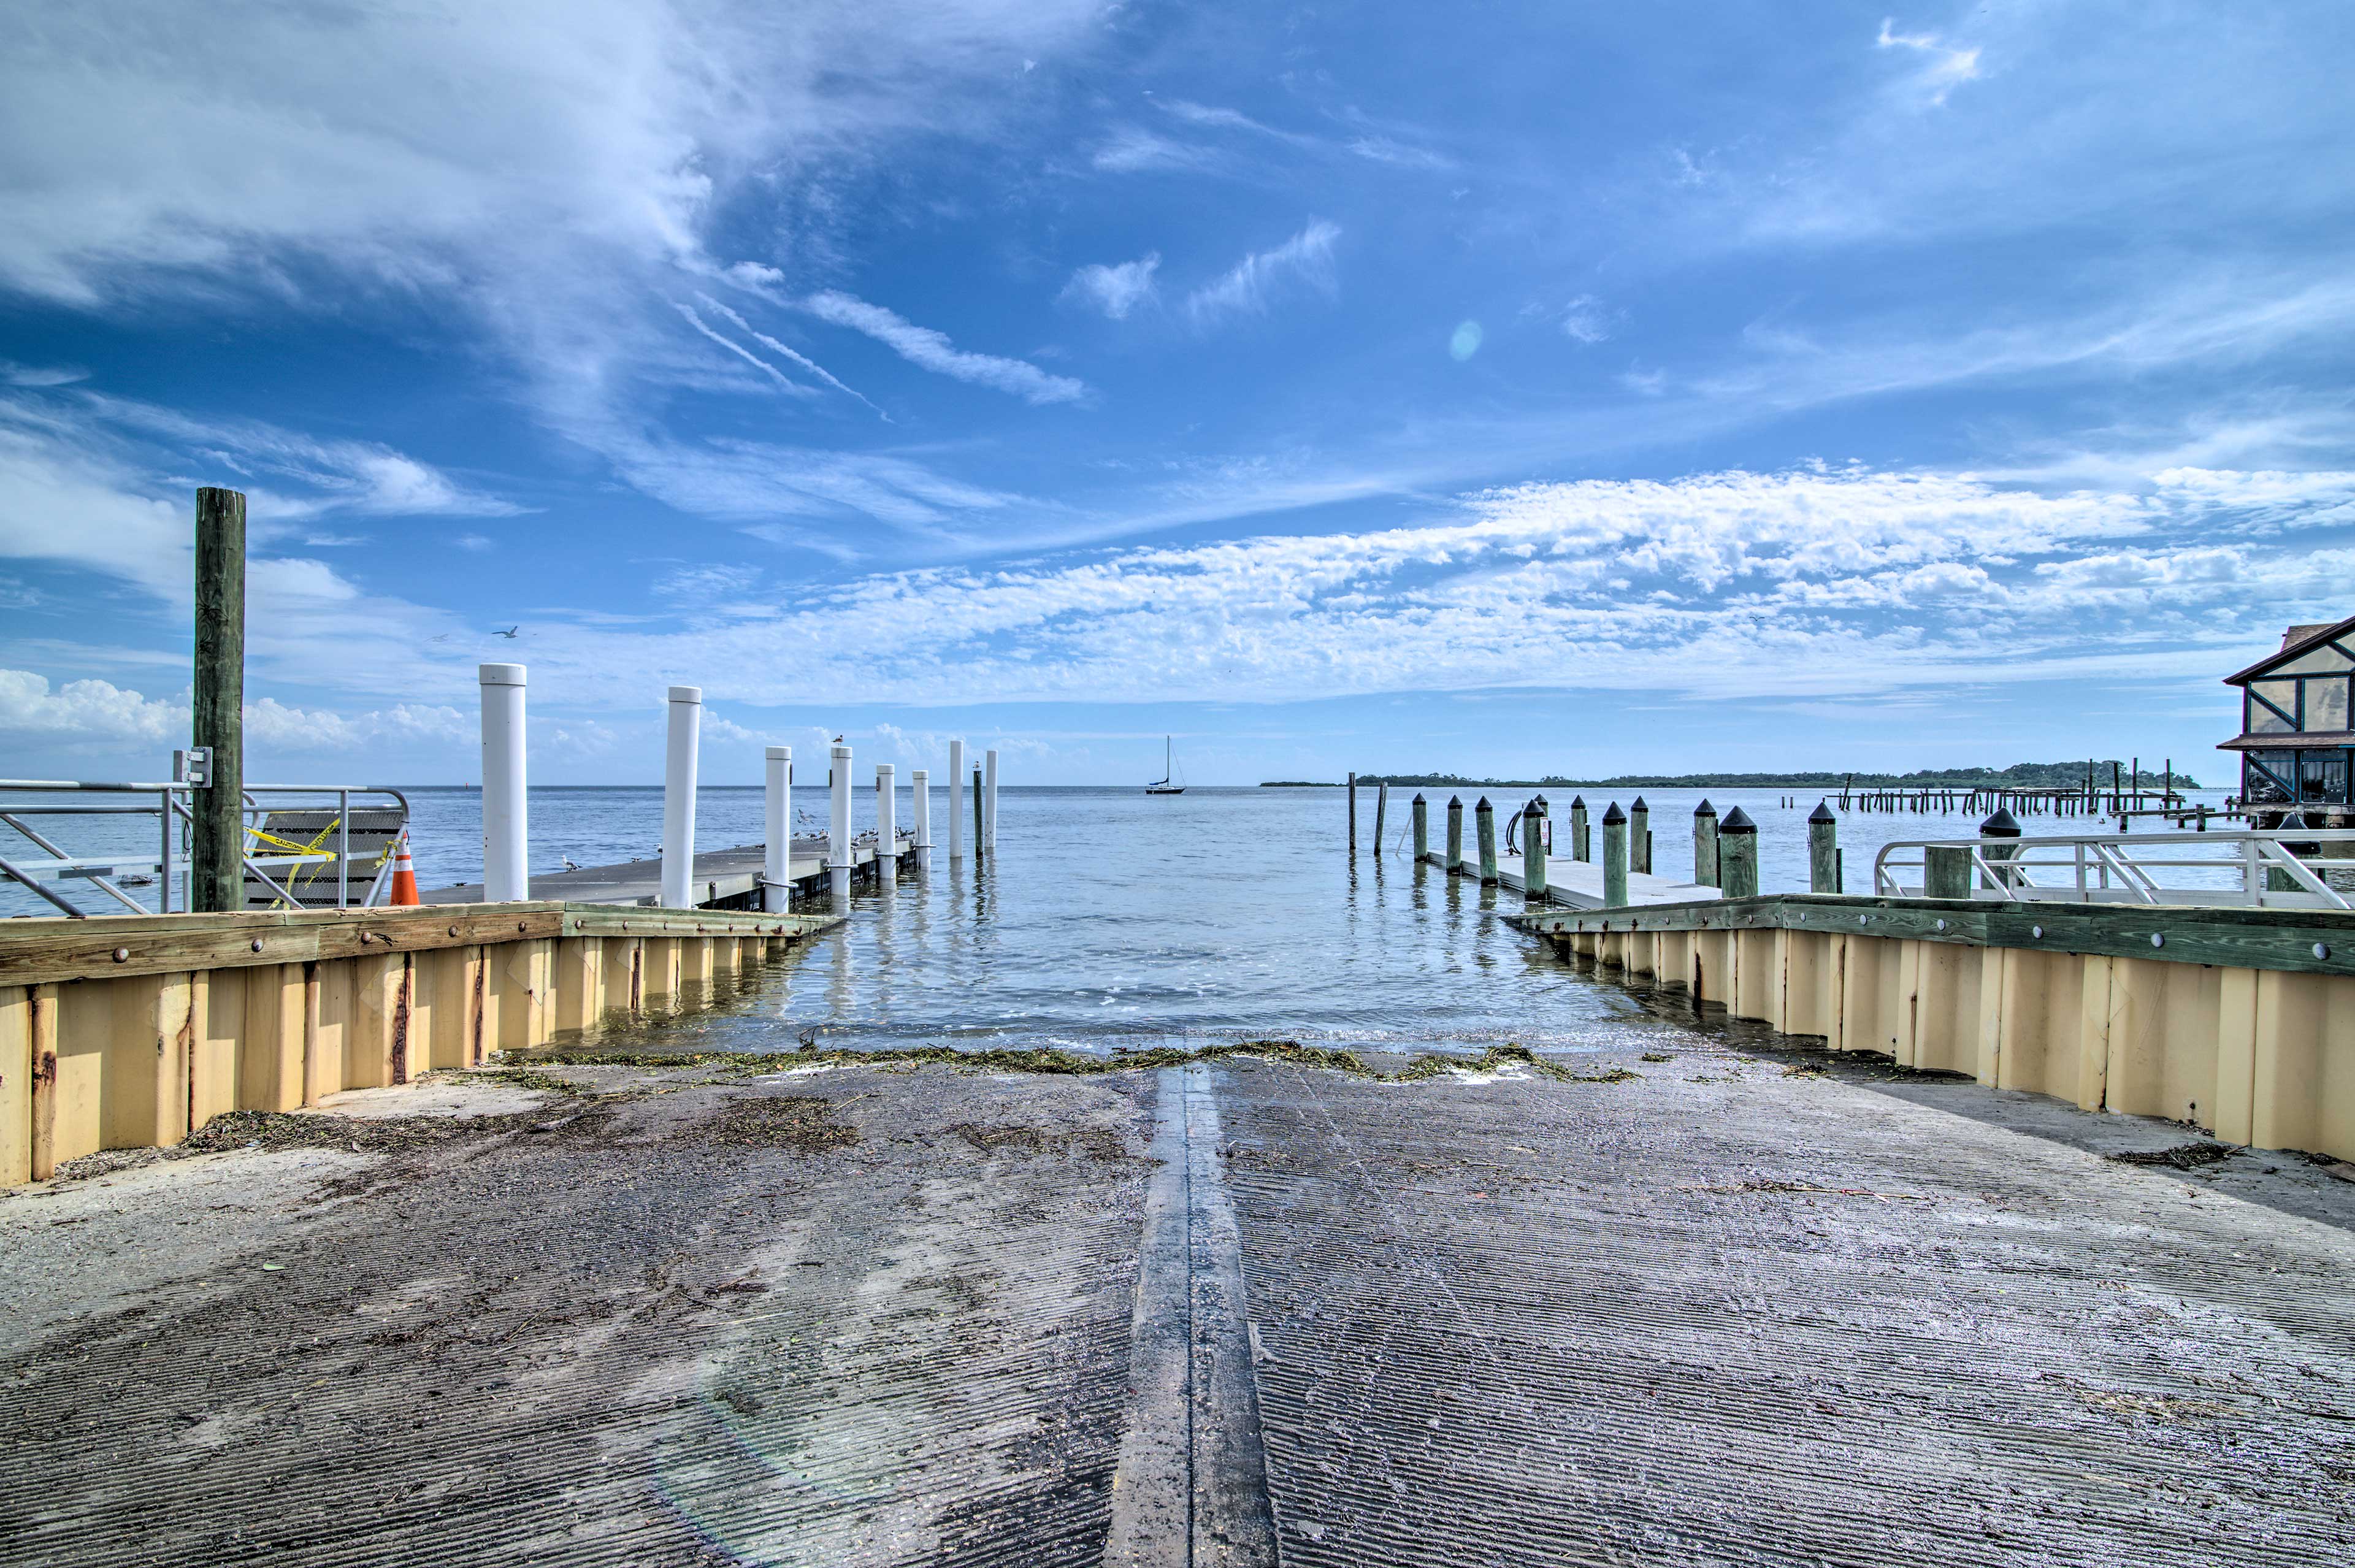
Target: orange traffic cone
column 404, row 875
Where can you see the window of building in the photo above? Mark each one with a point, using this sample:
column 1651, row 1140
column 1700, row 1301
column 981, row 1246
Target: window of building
column 2322, row 777
column 2261, row 783
column 2272, row 708
column 2318, row 661
column 2325, row 703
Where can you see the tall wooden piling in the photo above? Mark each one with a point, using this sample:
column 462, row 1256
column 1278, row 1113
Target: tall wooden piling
column 1737, row 854
column 1422, row 830
column 1705, row 844
column 1484, row 820
column 1639, row 836
column 1381, row 814
column 1580, row 848
column 1455, row 835
column 216, row 841
column 1353, row 816
column 1533, row 852
column 1614, row 857
column 1822, row 849
column 979, row 850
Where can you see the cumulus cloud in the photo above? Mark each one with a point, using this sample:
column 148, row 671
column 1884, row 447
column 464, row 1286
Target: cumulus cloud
column 1248, row 287
column 86, row 710
column 931, row 350
column 1116, row 291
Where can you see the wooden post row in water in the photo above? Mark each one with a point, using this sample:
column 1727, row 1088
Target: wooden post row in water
column 1484, row 819
column 1381, row 814
column 1422, row 830
column 1822, row 849
column 1533, row 855
column 1455, row 835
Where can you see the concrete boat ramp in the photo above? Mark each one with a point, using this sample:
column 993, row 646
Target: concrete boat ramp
column 1691, row 1297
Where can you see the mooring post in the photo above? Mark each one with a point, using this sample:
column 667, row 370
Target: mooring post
column 1353, row 816
column 1533, row 853
column 506, row 824
column 977, row 850
column 777, row 856
column 678, row 797
column 1737, row 854
column 1421, row 831
column 1580, row 844
column 956, row 800
column 990, row 817
column 1705, row 844
column 886, row 826
column 1946, row 871
column 919, row 795
column 1455, row 834
column 1614, row 857
column 1484, row 825
column 1822, row 849
column 1381, row 814
column 1640, row 838
column 2000, row 841
column 216, row 720
column 837, row 827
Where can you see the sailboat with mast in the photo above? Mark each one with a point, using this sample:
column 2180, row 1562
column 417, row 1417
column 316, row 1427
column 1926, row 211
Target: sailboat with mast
column 1169, row 783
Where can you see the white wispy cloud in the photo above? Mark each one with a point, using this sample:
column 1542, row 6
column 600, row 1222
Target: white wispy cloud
column 787, row 352
column 1117, row 290
column 1584, row 320
column 1247, row 288
column 931, row 350
column 1949, row 64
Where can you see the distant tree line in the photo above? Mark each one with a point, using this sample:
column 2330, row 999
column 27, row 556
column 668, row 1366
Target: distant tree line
column 2020, row 775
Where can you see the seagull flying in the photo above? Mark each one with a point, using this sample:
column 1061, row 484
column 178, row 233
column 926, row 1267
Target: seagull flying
column 511, row 631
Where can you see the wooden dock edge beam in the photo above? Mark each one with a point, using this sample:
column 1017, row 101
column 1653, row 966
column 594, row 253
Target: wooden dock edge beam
column 2239, row 1021
column 133, row 1032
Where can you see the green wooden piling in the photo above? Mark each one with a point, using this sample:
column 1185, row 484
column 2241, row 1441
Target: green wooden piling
column 1737, row 854
column 1705, row 844
column 977, row 817
column 1455, row 834
column 216, row 841
column 1639, row 836
column 1533, row 853
column 1484, row 818
column 1353, row 816
column 1614, row 857
column 1381, row 814
column 1822, row 849
column 1421, row 831
column 1579, row 846
column 2000, row 841
column 1946, row 871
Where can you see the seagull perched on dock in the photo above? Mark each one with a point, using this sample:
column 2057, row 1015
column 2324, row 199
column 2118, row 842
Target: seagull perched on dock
column 568, row 864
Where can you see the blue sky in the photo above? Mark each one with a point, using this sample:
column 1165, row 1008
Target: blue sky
column 1496, row 387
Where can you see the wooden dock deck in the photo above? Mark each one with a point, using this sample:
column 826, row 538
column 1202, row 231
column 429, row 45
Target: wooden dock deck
column 727, row 878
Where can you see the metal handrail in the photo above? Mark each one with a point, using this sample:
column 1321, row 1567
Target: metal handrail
column 170, row 808
column 2096, row 868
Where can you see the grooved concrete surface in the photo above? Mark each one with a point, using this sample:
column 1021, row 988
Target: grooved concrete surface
column 1718, row 1312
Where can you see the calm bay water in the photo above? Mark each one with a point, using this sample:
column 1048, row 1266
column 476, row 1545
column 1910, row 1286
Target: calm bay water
column 1112, row 918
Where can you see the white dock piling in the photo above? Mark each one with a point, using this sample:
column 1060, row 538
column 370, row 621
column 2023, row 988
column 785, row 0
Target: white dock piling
column 777, row 869
column 838, row 838
column 506, row 824
column 886, row 826
column 920, row 793
column 989, row 809
column 678, row 797
column 956, row 800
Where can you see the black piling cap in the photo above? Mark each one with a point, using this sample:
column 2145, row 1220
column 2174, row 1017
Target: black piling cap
column 1612, row 813
column 1704, row 808
column 1484, row 806
column 1534, row 807
column 1418, row 799
column 1454, row 802
column 1639, row 804
column 2295, row 820
column 1578, row 803
column 1737, row 821
column 1823, row 813
column 2001, row 824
